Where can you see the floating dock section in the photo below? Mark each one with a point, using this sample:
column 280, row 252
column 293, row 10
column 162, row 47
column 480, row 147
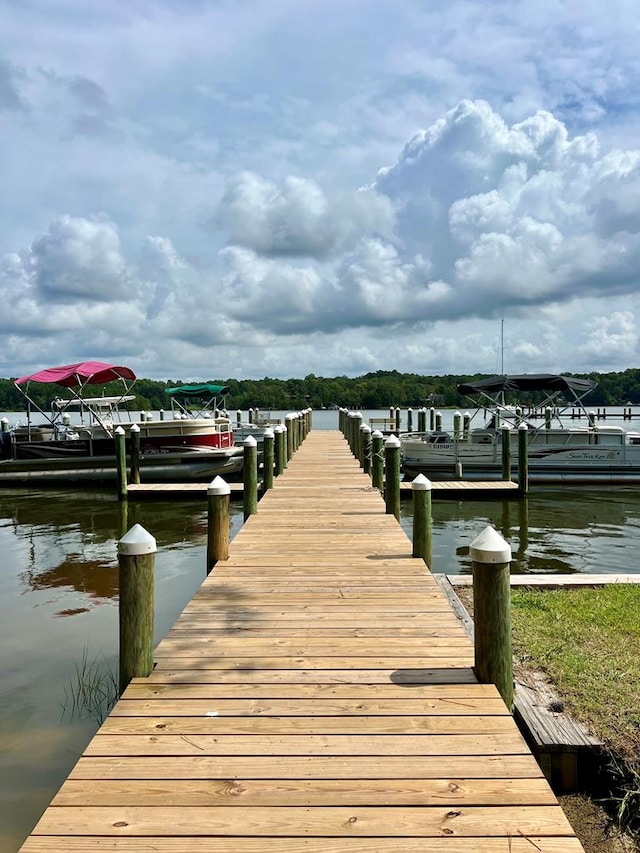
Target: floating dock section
column 317, row 694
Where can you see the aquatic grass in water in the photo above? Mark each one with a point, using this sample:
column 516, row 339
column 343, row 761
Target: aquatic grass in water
column 94, row 690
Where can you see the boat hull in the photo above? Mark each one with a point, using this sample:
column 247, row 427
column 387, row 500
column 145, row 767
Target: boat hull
column 175, row 467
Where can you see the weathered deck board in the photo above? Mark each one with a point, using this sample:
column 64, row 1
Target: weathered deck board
column 316, row 694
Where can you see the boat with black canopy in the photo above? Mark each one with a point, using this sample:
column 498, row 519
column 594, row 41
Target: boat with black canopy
column 558, row 451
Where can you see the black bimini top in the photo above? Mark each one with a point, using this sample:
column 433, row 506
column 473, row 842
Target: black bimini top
column 549, row 382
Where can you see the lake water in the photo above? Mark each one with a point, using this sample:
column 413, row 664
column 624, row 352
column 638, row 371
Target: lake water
column 58, row 597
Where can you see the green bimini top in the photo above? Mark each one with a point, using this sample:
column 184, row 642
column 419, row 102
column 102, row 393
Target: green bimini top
column 197, row 390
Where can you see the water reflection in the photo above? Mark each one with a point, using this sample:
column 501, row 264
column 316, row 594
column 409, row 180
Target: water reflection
column 552, row 531
column 68, row 541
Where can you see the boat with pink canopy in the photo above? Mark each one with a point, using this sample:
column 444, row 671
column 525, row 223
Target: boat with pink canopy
column 75, row 439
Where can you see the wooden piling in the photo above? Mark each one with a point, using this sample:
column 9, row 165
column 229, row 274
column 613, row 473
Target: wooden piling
column 136, row 563
column 490, row 564
column 135, row 454
column 506, row 452
column 365, row 429
column 280, row 441
column 250, row 476
column 377, row 460
column 392, row 476
column 422, row 525
column 218, row 521
column 121, row 463
column 268, row 440
column 289, row 424
column 523, row 459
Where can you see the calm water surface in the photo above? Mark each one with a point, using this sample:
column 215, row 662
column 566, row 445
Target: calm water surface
column 58, row 597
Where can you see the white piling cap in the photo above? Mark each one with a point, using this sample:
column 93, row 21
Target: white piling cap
column 421, row 483
column 523, row 426
column 490, row 547
column 137, row 541
column 376, row 434
column 218, row 486
column 268, row 433
column 392, row 441
column 250, row 441
column 505, row 426
column 119, row 431
column 279, row 428
column 134, row 428
column 365, row 428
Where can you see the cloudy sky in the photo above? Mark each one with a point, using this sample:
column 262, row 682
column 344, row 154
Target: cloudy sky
column 245, row 188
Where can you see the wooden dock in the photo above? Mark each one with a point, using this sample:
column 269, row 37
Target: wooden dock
column 455, row 489
column 316, row 695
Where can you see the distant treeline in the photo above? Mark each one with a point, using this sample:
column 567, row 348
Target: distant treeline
column 378, row 390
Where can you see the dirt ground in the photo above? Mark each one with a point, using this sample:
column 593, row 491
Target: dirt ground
column 592, row 825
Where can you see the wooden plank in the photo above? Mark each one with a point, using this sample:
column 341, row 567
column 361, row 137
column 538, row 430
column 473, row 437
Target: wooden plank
column 291, row 821
column 519, row 766
column 308, row 844
column 303, row 792
column 555, row 581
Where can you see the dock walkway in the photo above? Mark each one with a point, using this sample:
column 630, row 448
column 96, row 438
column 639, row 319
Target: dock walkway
column 317, row 694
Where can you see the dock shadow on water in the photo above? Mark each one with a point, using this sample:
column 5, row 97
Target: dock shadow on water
column 59, row 627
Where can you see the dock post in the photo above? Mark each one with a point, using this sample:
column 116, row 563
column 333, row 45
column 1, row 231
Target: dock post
column 457, row 426
column 592, row 419
column 392, row 476
column 422, row 527
column 238, row 418
column 218, row 521
column 548, row 414
column 121, row 463
column 438, row 421
column 377, row 461
column 250, row 472
column 466, row 424
column 279, row 447
column 523, row 459
column 506, row 452
column 409, row 420
column 267, row 458
column 490, row 564
column 357, row 436
column 398, row 418
column 135, row 454
column 422, row 419
column 289, row 423
column 365, row 429
column 136, row 564
column 432, row 419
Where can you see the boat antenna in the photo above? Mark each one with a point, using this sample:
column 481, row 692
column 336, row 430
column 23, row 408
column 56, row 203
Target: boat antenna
column 502, row 346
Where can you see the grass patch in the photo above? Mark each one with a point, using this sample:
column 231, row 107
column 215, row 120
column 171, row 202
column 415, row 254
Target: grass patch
column 588, row 641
